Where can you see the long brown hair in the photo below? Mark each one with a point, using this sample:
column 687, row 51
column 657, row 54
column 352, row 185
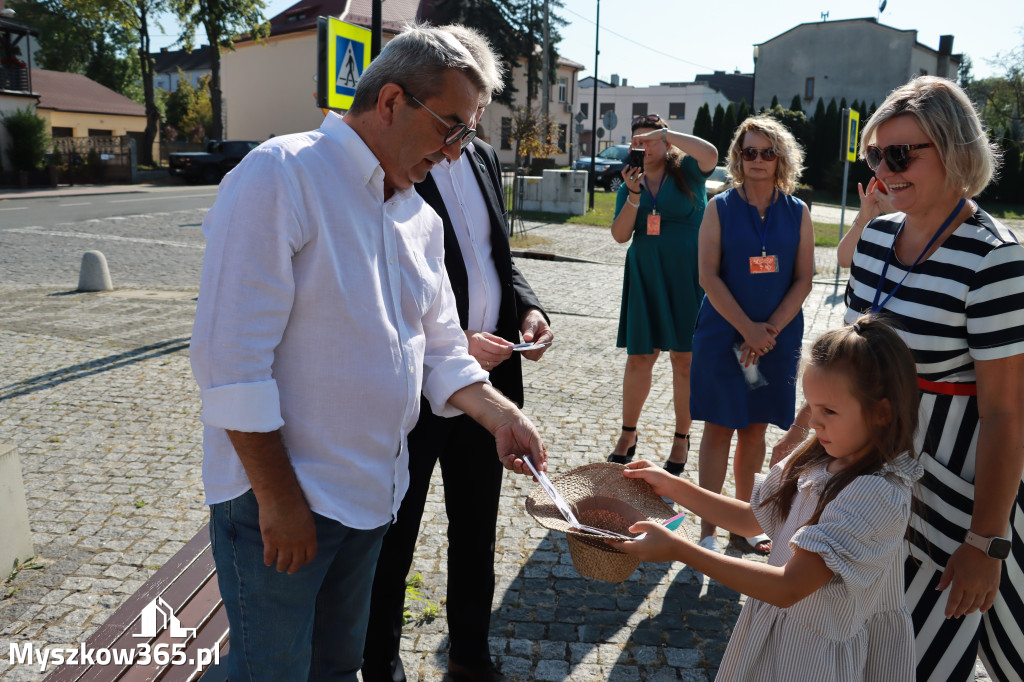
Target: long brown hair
column 673, row 158
column 883, row 378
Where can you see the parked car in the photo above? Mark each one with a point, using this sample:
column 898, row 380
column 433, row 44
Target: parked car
column 213, row 164
column 716, row 182
column 607, row 167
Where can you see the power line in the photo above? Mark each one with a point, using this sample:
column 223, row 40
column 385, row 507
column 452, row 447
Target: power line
column 646, row 47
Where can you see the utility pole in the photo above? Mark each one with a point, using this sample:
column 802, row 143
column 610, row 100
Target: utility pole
column 546, row 64
column 593, row 113
column 376, row 28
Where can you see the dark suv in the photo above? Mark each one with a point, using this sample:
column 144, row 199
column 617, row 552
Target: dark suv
column 608, row 166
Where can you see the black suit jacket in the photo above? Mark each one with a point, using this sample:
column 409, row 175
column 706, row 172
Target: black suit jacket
column 516, row 295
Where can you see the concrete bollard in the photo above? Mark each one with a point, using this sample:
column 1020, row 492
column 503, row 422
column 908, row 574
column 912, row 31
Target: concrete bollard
column 15, row 537
column 94, row 275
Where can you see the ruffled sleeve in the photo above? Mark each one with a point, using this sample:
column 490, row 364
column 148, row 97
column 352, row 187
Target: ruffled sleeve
column 764, row 487
column 859, row 529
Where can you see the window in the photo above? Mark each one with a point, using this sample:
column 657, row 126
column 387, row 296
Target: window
column 677, row 110
column 58, row 131
column 585, row 108
column 639, row 108
column 606, row 106
column 506, row 132
column 563, row 131
column 94, row 132
column 809, row 88
column 562, row 89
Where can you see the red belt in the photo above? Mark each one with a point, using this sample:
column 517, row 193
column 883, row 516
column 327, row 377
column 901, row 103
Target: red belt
column 947, row 388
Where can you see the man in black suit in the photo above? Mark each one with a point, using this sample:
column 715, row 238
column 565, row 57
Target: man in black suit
column 495, row 305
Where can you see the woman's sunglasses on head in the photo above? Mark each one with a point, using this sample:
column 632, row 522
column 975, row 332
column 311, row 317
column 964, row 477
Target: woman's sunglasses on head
column 897, row 156
column 645, row 118
column 751, row 153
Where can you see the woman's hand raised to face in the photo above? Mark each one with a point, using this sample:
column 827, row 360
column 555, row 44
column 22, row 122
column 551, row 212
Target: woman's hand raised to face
column 632, row 177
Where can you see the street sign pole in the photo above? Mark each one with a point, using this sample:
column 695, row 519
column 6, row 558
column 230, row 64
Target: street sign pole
column 851, row 123
column 593, row 113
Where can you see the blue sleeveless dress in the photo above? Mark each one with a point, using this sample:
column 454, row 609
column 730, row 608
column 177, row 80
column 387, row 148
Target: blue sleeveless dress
column 718, row 391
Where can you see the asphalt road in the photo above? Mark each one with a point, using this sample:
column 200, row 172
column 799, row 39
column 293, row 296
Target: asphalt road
column 31, row 210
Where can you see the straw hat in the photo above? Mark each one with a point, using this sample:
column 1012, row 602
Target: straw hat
column 600, row 496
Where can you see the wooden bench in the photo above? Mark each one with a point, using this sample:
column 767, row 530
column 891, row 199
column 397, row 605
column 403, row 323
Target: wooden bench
column 187, row 586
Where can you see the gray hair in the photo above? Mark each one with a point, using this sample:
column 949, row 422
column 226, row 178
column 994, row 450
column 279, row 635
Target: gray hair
column 948, row 118
column 416, row 58
column 480, row 48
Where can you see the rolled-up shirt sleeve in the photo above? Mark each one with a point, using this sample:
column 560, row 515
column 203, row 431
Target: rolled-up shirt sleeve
column 245, row 296
column 447, row 364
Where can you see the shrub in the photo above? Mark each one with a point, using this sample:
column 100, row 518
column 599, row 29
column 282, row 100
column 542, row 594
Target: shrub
column 29, row 139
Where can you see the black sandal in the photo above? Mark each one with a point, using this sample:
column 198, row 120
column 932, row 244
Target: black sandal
column 676, row 468
column 628, row 457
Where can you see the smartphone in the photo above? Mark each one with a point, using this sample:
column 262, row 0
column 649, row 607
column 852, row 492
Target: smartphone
column 636, row 158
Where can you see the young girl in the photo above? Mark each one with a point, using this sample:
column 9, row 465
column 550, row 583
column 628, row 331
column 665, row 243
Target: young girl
column 829, row 603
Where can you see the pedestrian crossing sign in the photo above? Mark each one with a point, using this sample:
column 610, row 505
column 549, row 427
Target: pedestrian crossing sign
column 343, row 53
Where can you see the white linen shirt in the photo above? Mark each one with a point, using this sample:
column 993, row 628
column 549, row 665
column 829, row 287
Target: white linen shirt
column 462, row 196
column 324, row 311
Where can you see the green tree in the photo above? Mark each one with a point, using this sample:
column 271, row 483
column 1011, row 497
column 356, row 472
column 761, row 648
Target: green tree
column 133, row 18
column 90, row 45
column 718, row 134
column 188, row 110
column 775, row 102
column 515, row 30
column 702, row 126
column 728, row 129
column 534, row 135
column 223, row 21
column 796, row 104
column 29, row 139
column 742, row 112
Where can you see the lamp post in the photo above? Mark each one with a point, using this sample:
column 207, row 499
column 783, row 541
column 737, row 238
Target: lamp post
column 593, row 113
column 753, row 96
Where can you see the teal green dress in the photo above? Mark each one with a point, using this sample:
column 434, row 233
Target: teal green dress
column 661, row 291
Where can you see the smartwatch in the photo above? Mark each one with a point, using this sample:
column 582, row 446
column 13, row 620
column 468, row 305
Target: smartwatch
column 995, row 547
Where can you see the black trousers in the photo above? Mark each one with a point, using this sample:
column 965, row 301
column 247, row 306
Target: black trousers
column 472, row 478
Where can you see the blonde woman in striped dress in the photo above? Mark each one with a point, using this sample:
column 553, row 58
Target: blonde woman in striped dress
column 829, row 604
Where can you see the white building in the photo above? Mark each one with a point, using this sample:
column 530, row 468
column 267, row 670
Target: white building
column 676, row 103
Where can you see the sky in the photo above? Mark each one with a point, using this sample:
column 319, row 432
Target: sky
column 673, row 41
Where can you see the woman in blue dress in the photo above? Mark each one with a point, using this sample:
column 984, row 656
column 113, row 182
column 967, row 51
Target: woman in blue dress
column 756, row 260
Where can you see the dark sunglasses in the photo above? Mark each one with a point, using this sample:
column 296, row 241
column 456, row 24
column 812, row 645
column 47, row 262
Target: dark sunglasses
column 751, row 153
column 646, row 118
column 459, row 131
column 897, row 156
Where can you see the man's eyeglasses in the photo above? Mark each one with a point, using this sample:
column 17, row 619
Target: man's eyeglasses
column 751, row 153
column 459, row 131
column 897, row 156
column 645, row 118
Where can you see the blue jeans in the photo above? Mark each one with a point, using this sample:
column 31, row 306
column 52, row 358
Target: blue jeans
column 308, row 625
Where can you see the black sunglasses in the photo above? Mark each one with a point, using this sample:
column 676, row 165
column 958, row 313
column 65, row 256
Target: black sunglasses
column 645, row 118
column 751, row 153
column 897, row 156
column 459, row 131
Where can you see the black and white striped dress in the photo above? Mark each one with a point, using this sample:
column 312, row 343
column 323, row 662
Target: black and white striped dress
column 964, row 303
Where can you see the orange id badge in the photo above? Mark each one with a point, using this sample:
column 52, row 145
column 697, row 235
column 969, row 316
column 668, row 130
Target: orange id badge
column 763, row 264
column 653, row 225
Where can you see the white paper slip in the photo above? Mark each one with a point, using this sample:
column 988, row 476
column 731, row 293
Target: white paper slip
column 529, row 346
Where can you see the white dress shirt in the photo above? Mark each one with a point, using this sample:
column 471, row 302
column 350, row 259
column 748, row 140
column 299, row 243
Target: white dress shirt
column 324, row 311
column 467, row 209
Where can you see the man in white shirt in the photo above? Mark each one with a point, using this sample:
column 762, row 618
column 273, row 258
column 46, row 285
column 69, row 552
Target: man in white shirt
column 495, row 305
column 324, row 312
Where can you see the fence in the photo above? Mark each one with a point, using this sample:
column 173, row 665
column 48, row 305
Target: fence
column 94, row 159
column 513, row 201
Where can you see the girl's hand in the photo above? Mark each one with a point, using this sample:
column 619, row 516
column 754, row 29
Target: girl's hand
column 874, row 201
column 662, row 482
column 632, row 177
column 661, row 544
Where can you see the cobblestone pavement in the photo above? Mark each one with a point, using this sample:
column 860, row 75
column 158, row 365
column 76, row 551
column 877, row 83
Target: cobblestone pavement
column 98, row 399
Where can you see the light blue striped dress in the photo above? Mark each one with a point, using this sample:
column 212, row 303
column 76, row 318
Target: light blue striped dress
column 857, row 626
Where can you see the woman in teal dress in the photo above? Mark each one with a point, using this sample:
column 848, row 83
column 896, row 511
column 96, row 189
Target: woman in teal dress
column 660, row 207
column 756, row 265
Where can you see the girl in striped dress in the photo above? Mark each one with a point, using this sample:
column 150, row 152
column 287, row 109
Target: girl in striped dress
column 829, row 604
